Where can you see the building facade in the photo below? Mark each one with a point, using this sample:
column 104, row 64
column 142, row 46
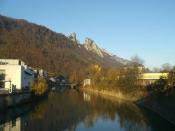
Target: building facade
column 15, row 74
column 150, row 78
column 87, row 82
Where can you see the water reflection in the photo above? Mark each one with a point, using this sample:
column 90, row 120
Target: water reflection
column 120, row 115
column 80, row 111
column 12, row 120
column 13, row 125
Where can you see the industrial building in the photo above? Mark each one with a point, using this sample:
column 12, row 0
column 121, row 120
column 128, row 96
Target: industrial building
column 150, row 78
column 15, row 74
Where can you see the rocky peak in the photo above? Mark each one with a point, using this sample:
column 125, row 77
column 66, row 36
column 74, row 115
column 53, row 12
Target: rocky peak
column 73, row 38
column 115, row 57
column 107, row 52
column 90, row 45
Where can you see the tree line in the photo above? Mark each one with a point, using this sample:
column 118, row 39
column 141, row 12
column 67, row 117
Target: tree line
column 127, row 79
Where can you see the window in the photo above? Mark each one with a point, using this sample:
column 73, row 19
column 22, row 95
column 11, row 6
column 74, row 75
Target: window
column 2, row 78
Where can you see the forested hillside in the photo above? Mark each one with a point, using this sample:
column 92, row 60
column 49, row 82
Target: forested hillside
column 40, row 47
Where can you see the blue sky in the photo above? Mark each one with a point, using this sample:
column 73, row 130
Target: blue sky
column 124, row 27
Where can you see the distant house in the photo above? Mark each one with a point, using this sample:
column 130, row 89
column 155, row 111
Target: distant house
column 42, row 73
column 140, row 68
column 149, row 78
column 87, row 82
column 62, row 79
column 14, row 73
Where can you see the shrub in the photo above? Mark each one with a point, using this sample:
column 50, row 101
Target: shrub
column 39, row 86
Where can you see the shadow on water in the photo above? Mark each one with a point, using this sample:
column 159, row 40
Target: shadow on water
column 72, row 110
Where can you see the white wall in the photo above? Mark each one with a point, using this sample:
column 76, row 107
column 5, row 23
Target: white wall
column 87, row 82
column 13, row 74
column 15, row 71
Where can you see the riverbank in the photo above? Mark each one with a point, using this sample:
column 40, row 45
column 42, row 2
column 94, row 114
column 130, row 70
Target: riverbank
column 132, row 97
column 14, row 99
column 162, row 106
column 18, row 98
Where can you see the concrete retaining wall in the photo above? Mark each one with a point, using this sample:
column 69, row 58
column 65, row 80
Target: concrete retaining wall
column 9, row 100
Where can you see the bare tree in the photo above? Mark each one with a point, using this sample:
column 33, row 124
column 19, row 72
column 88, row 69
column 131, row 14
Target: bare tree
column 166, row 67
column 137, row 59
column 156, row 69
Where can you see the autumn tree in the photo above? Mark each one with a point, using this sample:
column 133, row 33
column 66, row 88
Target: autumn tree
column 129, row 76
column 39, row 86
column 129, row 79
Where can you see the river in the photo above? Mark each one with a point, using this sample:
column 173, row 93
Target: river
column 80, row 111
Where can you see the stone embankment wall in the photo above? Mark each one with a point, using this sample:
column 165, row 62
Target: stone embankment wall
column 162, row 105
column 10, row 100
column 116, row 95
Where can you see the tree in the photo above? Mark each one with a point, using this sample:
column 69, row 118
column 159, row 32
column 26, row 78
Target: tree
column 171, row 78
column 137, row 60
column 160, row 85
column 129, row 78
column 164, row 85
column 166, row 67
column 39, row 86
column 156, row 69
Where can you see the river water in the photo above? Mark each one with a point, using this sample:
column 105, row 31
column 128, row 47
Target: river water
column 80, row 111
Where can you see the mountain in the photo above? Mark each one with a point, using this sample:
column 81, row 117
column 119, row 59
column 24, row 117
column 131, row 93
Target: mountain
column 43, row 48
column 90, row 45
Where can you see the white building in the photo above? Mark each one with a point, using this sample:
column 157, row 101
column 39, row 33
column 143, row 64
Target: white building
column 87, row 82
column 150, row 78
column 14, row 73
column 42, row 73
